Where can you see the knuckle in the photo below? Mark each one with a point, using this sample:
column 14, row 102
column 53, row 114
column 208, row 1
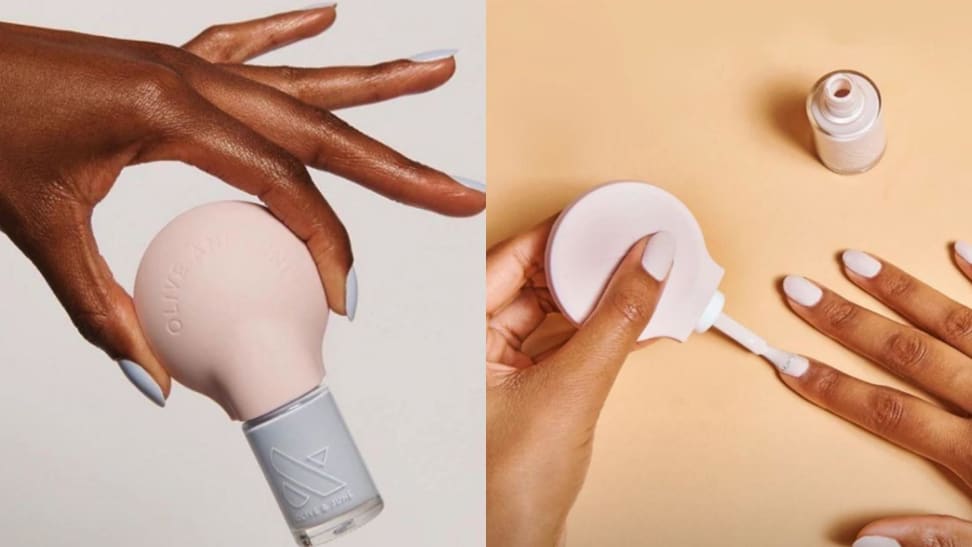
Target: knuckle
column 826, row 383
column 887, row 412
column 937, row 538
column 287, row 168
column 293, row 79
column 631, row 304
column 896, row 284
column 959, row 457
column 839, row 313
column 93, row 325
column 905, row 351
column 156, row 86
column 220, row 34
column 958, row 323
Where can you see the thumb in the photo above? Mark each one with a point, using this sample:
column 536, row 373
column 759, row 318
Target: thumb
column 67, row 256
column 915, row 532
column 584, row 369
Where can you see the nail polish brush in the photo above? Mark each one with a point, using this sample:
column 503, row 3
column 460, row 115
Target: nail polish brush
column 593, row 234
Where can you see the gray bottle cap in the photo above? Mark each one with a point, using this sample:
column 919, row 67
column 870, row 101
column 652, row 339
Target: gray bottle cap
column 313, row 468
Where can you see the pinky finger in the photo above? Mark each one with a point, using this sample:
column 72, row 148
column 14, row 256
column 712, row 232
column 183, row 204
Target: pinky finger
column 239, row 42
column 916, row 532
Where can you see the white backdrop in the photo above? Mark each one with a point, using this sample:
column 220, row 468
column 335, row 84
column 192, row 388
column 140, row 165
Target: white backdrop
column 88, row 461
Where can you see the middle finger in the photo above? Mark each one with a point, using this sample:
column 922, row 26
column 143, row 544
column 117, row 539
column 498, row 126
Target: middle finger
column 923, row 306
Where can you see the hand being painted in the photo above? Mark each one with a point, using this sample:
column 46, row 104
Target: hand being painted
column 935, row 355
column 77, row 109
column 541, row 410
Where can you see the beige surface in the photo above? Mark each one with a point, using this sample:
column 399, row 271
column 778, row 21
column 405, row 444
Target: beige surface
column 700, row 444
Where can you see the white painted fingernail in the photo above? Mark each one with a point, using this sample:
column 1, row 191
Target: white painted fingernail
column 802, row 291
column 795, row 365
column 861, row 263
column 142, row 381
column 876, row 541
column 319, row 5
column 434, row 55
column 471, row 183
column 351, row 294
column 658, row 256
column 964, row 250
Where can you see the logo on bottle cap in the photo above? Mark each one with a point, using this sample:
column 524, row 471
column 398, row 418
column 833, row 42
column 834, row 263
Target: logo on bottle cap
column 305, row 478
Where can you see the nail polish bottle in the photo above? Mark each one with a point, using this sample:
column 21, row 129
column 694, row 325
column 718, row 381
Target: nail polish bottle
column 593, row 234
column 233, row 305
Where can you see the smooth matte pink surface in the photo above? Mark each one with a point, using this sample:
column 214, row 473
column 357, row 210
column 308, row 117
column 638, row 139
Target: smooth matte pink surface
column 594, row 233
column 232, row 303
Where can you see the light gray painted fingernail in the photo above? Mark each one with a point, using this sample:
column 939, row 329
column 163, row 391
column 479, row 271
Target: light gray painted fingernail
column 964, row 250
column 658, row 256
column 351, row 294
column 802, row 291
column 432, row 56
column 319, row 5
column 470, row 183
column 876, row 541
column 142, row 381
column 861, row 263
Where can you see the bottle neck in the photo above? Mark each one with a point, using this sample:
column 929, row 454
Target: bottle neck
column 285, row 408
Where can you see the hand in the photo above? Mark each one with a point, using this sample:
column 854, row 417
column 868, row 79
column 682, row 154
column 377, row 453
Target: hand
column 77, row 109
column 541, row 410
column 934, row 355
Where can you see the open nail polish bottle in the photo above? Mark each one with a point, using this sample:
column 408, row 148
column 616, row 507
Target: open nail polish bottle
column 593, row 234
column 232, row 304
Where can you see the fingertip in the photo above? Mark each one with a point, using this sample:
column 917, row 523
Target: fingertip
column 801, row 293
column 467, row 200
column 963, row 252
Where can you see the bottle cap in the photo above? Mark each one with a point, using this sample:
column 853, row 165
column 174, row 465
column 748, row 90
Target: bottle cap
column 314, row 468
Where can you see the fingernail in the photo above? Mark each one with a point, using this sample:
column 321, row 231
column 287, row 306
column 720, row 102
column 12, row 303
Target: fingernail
column 876, row 541
column 802, row 291
column 470, row 183
column 964, row 250
column 658, row 256
column 788, row 363
column 319, row 5
column 434, row 55
column 861, row 263
column 351, row 294
column 142, row 381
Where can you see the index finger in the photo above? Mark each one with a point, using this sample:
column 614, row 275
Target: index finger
column 512, row 262
column 903, row 419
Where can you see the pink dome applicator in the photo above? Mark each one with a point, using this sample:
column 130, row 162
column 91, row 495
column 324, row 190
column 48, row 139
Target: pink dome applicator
column 592, row 235
column 232, row 304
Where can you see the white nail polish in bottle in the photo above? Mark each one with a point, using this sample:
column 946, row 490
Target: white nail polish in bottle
column 844, row 108
column 593, row 234
column 232, row 303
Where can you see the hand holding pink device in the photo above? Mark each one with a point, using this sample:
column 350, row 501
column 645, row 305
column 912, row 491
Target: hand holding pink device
column 592, row 235
column 232, row 304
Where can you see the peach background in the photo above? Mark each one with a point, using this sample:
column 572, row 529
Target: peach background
column 699, row 443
